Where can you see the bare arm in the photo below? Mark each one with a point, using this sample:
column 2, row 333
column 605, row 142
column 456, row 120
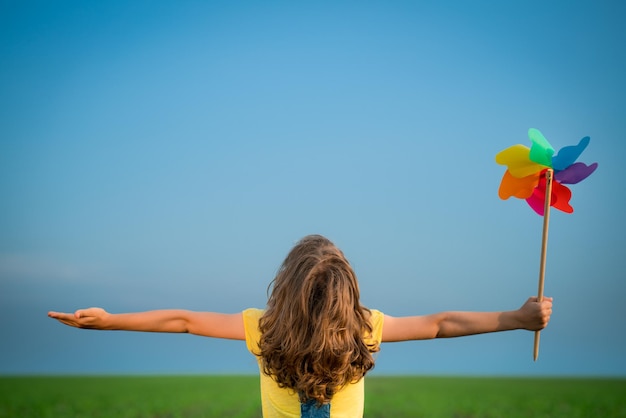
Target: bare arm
column 532, row 316
column 208, row 324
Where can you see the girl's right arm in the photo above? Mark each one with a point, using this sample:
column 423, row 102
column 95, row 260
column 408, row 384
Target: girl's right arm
column 208, row 324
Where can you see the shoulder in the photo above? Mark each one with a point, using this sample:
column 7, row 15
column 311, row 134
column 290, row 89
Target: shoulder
column 376, row 320
column 251, row 318
column 252, row 314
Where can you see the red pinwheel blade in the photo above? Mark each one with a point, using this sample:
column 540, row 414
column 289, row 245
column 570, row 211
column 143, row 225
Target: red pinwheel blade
column 559, row 198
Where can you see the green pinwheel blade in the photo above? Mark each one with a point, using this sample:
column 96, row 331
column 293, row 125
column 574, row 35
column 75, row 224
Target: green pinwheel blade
column 541, row 151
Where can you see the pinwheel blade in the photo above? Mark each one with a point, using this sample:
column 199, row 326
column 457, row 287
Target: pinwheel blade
column 520, row 187
column 559, row 198
column 568, row 155
column 541, row 151
column 516, row 158
column 575, row 173
column 536, row 201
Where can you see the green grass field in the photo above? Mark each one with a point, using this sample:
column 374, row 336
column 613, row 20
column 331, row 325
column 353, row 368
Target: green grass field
column 238, row 396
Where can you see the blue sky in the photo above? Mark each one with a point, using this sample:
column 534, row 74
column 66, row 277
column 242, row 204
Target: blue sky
column 169, row 154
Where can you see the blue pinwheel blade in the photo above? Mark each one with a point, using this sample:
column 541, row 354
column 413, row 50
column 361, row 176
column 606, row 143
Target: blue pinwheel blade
column 568, row 155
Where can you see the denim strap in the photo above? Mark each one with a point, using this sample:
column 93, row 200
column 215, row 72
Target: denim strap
column 310, row 409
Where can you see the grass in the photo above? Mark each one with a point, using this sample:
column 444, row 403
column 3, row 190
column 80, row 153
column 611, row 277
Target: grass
column 130, row 397
column 494, row 397
column 238, row 396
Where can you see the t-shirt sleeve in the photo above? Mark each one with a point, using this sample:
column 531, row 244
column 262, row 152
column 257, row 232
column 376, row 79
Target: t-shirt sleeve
column 377, row 320
column 251, row 327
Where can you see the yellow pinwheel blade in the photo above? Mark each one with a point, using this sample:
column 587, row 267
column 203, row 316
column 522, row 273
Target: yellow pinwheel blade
column 517, row 159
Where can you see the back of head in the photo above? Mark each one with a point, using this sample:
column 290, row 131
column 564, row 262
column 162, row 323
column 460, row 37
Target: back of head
column 312, row 333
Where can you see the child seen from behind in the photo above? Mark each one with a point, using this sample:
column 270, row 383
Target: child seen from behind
column 314, row 341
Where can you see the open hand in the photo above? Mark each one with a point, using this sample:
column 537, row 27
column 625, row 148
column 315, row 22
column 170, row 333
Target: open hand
column 92, row 318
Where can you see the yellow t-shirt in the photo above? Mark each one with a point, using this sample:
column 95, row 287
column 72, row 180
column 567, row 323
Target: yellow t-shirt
column 284, row 403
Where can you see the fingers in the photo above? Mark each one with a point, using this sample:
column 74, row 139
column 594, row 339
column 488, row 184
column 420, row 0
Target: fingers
column 535, row 298
column 59, row 315
column 64, row 318
column 545, row 311
column 67, row 316
column 544, row 299
column 537, row 313
column 547, row 299
column 82, row 318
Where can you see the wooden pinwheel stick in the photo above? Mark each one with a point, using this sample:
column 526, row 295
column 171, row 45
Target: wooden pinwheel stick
column 544, row 249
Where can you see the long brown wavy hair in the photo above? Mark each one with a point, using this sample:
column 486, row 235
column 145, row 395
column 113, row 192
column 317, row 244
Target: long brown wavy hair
column 312, row 332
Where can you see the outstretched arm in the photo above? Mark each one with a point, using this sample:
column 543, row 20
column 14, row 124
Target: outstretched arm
column 532, row 316
column 208, row 324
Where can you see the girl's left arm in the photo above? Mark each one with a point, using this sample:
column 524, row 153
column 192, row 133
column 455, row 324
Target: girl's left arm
column 532, row 316
column 208, row 324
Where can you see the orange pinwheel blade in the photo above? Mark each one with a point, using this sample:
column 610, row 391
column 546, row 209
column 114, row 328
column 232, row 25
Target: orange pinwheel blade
column 521, row 188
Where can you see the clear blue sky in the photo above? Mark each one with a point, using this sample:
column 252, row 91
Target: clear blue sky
column 169, row 154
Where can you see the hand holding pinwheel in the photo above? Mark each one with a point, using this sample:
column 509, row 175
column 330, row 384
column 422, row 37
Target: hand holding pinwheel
column 538, row 176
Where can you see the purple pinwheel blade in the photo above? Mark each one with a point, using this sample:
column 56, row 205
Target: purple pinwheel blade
column 575, row 173
column 568, row 155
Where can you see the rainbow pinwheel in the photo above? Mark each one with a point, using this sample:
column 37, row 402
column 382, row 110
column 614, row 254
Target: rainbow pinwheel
column 525, row 176
column 537, row 175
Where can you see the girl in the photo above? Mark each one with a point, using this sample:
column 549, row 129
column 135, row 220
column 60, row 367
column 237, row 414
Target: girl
column 314, row 341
